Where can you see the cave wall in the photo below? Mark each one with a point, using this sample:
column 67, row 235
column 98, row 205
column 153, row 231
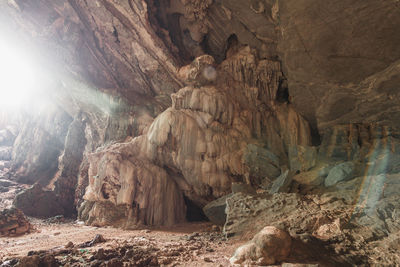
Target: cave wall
column 342, row 59
column 153, row 120
column 39, row 144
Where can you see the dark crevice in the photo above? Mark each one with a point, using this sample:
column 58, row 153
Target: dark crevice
column 175, row 33
column 282, row 94
column 160, row 20
column 193, row 212
column 232, row 46
column 359, row 140
column 204, row 45
column 104, row 193
column 315, row 136
column 115, row 33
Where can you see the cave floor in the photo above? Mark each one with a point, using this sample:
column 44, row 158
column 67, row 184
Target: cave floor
column 189, row 244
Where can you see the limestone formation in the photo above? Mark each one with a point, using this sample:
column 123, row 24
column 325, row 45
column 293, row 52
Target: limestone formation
column 125, row 191
column 203, row 143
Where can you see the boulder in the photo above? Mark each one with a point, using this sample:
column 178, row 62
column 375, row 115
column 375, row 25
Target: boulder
column 37, row 202
column 261, row 162
column 269, row 246
column 13, row 222
column 302, row 158
column 6, row 183
column 341, row 172
column 215, row 210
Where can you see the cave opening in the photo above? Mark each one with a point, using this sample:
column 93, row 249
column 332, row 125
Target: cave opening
column 19, row 76
column 193, row 212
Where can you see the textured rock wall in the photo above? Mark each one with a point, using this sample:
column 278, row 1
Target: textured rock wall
column 341, row 59
column 198, row 145
column 65, row 180
column 38, row 145
column 110, row 44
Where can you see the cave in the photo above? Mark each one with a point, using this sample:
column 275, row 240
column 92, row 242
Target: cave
column 194, row 213
column 199, row 133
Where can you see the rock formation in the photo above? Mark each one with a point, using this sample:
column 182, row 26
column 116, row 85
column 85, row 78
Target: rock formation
column 212, row 136
column 284, row 112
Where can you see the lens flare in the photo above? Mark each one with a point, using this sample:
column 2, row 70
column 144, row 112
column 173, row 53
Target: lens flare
column 374, row 181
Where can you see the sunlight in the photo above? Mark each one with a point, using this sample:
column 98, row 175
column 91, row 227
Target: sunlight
column 18, row 77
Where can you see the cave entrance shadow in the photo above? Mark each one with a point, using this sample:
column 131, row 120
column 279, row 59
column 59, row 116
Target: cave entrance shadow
column 193, row 212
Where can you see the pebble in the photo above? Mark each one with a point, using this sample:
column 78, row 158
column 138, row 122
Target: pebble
column 206, row 259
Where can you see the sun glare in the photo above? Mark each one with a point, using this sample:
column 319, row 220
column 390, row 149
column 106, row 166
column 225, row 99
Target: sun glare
column 18, row 79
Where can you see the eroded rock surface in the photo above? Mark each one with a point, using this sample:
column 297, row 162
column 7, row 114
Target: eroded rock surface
column 200, row 145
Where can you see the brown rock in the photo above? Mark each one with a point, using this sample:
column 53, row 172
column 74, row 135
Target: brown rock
column 13, row 222
column 29, row 261
column 269, row 246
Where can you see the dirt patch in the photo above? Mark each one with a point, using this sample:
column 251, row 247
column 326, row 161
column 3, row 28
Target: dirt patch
column 190, row 244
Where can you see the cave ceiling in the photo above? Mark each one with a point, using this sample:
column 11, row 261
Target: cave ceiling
column 341, row 58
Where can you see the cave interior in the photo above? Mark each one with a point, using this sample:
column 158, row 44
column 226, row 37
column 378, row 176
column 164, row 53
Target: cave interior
column 199, row 133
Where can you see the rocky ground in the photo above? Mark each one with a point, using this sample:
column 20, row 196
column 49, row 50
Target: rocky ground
column 61, row 242
column 69, row 244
